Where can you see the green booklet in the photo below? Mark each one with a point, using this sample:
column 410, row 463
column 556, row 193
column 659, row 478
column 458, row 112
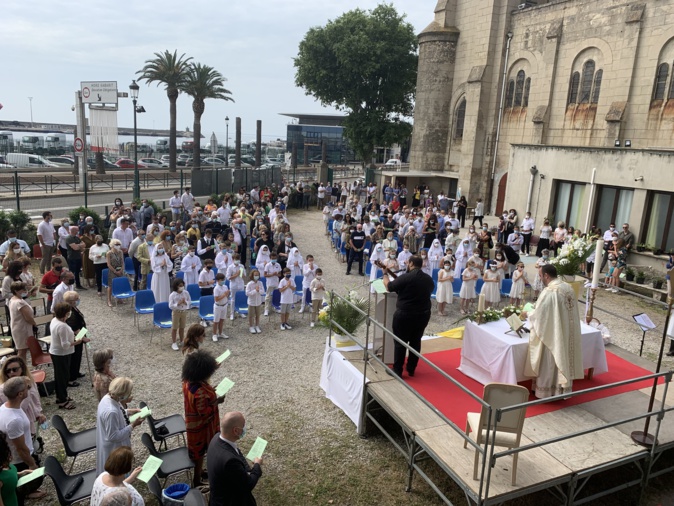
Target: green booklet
column 223, row 357
column 141, row 414
column 257, row 449
column 151, row 466
column 30, row 477
column 223, row 387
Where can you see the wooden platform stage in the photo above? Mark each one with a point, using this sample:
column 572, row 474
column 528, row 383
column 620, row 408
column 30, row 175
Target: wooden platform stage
column 563, row 467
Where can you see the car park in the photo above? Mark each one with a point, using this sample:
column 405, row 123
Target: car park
column 213, row 161
column 107, row 164
column 62, row 161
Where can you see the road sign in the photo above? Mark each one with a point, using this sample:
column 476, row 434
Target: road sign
column 78, row 145
column 99, row 92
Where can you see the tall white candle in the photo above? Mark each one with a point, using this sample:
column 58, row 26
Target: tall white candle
column 480, row 302
column 597, row 263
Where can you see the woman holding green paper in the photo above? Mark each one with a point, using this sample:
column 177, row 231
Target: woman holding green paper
column 119, row 474
column 202, row 418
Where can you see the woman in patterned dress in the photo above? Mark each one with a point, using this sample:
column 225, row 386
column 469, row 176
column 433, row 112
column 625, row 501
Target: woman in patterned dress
column 202, row 418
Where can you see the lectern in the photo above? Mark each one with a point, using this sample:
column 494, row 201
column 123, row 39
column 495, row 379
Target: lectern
column 385, row 306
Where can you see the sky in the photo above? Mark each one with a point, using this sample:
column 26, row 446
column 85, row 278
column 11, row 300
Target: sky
column 49, row 48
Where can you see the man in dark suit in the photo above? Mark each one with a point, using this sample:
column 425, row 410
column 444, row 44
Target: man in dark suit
column 230, row 478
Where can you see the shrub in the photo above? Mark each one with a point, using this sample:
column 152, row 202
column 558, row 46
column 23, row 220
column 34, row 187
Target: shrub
column 74, row 216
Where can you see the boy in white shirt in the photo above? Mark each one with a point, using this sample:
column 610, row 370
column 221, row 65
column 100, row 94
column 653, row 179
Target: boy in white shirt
column 317, row 289
column 287, row 289
column 235, row 274
column 271, row 272
column 223, row 258
column 309, row 273
column 207, row 278
column 221, row 299
column 327, row 214
column 179, row 303
column 191, row 265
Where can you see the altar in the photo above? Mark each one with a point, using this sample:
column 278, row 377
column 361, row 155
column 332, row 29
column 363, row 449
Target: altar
column 490, row 355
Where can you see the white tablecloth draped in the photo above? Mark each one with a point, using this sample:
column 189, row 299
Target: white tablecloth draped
column 342, row 383
column 490, row 355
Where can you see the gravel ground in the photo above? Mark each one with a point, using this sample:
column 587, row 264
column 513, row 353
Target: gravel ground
column 314, row 455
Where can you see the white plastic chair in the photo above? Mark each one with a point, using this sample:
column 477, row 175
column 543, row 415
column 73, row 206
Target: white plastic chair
column 508, row 430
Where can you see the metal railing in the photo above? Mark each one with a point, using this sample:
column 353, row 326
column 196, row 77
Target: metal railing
column 494, row 415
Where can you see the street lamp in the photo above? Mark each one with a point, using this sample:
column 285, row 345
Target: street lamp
column 30, row 99
column 226, row 141
column 133, row 88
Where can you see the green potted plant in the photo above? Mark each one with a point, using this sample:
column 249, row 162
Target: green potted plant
column 641, row 247
column 343, row 313
column 641, row 277
column 657, row 279
column 629, row 274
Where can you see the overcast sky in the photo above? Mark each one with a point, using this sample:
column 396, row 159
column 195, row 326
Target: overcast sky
column 49, row 47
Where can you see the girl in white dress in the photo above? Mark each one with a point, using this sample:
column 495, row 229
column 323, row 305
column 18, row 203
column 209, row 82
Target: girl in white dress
column 538, row 282
column 445, row 293
column 263, row 258
column 501, row 266
column 467, row 293
column 435, row 254
column 462, row 255
column 426, row 265
column 161, row 266
column 404, row 256
column 491, row 288
column 517, row 288
column 378, row 255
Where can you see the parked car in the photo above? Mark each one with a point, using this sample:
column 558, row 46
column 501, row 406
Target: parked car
column 126, row 163
column 61, row 161
column 153, row 163
column 212, row 161
column 393, row 162
column 4, row 164
column 271, row 165
column 165, row 158
column 107, row 164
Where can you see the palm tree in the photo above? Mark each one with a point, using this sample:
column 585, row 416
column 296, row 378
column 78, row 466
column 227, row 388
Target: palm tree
column 202, row 82
column 170, row 70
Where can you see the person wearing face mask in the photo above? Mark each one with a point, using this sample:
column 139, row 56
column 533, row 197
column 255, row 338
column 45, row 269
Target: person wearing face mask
column 231, row 479
column 51, row 280
column 133, row 248
column 191, row 266
column 445, row 292
column 206, row 247
column 435, row 254
column 462, row 256
column 527, row 229
column 391, row 263
column 430, row 228
column 492, row 284
column 113, row 428
column 179, row 304
column 67, row 284
column 425, row 262
column 479, row 211
column 14, row 254
column 479, row 264
column 46, row 236
column 103, row 360
column 76, row 323
column 317, row 289
column 161, row 266
column 255, row 293
column 12, row 244
column 515, row 240
column 88, row 240
column 235, row 274
column 144, row 256
column 21, row 317
column 206, row 279
column 115, row 260
column 538, row 282
column 390, row 242
column 61, row 349
column 75, row 248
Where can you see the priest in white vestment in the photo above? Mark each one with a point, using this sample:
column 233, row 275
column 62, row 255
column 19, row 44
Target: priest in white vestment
column 555, row 354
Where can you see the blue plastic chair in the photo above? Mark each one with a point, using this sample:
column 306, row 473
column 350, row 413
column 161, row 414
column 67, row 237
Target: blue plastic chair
column 456, row 286
column 264, row 283
column 368, row 269
column 128, row 266
column 241, row 302
column 478, row 286
column 195, row 293
column 104, row 277
column 121, row 289
column 144, row 304
column 275, row 302
column 149, row 279
column 206, row 308
column 180, row 275
column 342, row 252
column 298, row 285
column 506, row 285
column 434, row 275
column 161, row 317
column 214, row 270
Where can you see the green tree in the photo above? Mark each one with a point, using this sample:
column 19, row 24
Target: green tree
column 170, row 70
column 202, row 82
column 363, row 63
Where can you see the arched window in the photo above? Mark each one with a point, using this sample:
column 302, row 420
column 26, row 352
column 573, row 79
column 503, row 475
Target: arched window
column 661, row 82
column 596, row 88
column 527, row 87
column 573, row 88
column 459, row 118
column 586, row 82
column 509, row 93
column 519, row 89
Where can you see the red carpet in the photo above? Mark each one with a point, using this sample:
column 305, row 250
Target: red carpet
column 454, row 403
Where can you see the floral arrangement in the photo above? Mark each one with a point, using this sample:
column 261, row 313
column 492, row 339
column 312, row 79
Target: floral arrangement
column 493, row 314
column 343, row 312
column 510, row 310
column 572, row 255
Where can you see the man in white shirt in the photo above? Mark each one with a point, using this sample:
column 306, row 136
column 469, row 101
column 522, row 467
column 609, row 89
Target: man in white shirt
column 176, row 205
column 140, row 239
column 67, row 284
column 320, row 193
column 16, row 426
column 188, row 203
column 155, row 228
column 224, row 213
column 527, row 228
column 46, row 236
column 255, row 194
column 124, row 235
